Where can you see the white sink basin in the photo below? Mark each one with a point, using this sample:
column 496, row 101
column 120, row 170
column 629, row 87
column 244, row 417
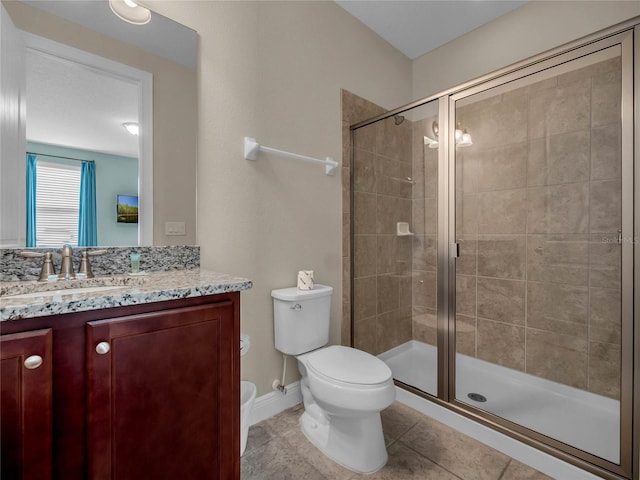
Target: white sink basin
column 67, row 291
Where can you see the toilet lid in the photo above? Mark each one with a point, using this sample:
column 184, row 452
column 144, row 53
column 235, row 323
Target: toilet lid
column 349, row 365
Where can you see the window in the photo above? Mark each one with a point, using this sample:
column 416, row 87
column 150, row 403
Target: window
column 57, row 204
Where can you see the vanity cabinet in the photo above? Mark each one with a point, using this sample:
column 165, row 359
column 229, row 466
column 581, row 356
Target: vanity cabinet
column 26, row 405
column 145, row 391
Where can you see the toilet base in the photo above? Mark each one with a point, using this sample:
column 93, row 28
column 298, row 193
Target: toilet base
column 356, row 443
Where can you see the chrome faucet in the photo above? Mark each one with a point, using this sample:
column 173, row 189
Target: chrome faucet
column 66, row 267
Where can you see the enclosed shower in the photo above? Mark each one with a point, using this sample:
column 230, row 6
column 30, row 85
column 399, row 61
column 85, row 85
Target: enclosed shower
column 492, row 246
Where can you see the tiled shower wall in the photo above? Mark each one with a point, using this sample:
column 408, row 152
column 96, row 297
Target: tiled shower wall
column 537, row 219
column 538, row 214
column 383, row 189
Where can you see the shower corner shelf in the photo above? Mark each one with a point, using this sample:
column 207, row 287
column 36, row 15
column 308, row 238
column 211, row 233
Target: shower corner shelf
column 402, row 229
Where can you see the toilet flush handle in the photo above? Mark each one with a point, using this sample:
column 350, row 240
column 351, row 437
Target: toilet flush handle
column 297, row 307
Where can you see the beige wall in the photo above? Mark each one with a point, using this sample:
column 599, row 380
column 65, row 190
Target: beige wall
column 274, row 71
column 529, row 30
column 174, row 115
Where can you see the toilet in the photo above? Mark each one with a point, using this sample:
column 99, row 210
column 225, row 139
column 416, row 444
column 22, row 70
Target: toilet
column 343, row 389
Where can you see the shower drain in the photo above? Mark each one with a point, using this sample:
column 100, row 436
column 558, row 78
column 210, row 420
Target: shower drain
column 476, row 397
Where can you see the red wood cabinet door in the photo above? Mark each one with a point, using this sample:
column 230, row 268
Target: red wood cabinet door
column 25, row 405
column 163, row 395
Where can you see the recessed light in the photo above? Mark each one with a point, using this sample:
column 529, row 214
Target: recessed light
column 130, row 11
column 132, row 127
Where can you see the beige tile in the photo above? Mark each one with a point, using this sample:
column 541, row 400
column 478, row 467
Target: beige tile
column 397, row 419
column 346, row 145
column 558, row 308
column 466, row 335
column 364, row 174
column 519, row 471
column 390, row 211
column 364, row 213
column 365, row 335
column 559, row 110
column 467, row 214
column 466, row 263
column 364, row 138
column 501, row 300
column 501, row 120
column 284, row 421
column 424, row 252
column 389, row 330
column 501, row 344
column 605, row 261
column 385, row 255
column 461, row 455
column 364, row 297
column 364, row 257
column 387, row 293
column 557, row 357
column 314, row 457
column 502, row 256
column 418, row 175
column 346, row 190
column 424, row 289
column 467, row 171
column 605, row 315
column 356, row 109
column 605, row 98
column 430, row 173
column 425, row 325
column 604, row 369
column 405, row 291
column 558, row 209
column 606, row 204
column 277, row 459
column 392, row 177
column 466, row 294
column 501, row 167
column 394, row 141
column 405, row 324
column 559, row 159
column 605, row 152
column 502, row 212
column 257, row 436
column 404, row 463
column 558, row 259
column 346, row 235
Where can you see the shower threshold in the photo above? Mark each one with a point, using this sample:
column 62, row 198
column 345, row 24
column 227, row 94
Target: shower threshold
column 576, row 417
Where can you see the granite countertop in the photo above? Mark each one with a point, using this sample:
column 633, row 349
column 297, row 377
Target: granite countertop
column 112, row 291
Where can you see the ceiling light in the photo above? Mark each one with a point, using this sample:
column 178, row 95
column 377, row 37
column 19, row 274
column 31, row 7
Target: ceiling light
column 132, row 128
column 130, row 12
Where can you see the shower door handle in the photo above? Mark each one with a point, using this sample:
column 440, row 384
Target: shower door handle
column 455, row 250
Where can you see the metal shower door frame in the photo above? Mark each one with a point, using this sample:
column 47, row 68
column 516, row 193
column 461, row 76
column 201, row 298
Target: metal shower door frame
column 447, row 252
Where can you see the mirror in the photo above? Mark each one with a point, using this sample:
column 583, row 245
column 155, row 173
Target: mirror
column 162, row 49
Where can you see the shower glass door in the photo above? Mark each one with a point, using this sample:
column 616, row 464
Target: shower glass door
column 539, row 182
column 394, row 183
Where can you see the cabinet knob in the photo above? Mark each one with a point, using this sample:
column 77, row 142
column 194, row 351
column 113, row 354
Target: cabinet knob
column 33, row 362
column 103, row 347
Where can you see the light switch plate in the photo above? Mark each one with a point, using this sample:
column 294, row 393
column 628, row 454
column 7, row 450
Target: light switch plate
column 174, row 228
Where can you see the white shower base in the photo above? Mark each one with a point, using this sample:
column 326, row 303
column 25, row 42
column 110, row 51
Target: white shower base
column 582, row 419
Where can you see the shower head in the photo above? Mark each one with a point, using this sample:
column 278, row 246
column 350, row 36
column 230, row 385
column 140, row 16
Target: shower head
column 398, row 119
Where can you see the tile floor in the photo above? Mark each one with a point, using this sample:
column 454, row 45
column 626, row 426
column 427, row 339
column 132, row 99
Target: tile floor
column 419, row 448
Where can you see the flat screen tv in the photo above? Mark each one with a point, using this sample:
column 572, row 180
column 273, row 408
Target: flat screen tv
column 127, row 208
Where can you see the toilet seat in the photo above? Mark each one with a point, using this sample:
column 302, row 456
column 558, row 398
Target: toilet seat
column 348, row 365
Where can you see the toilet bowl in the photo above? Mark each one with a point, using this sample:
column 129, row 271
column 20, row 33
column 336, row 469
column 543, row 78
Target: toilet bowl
column 342, row 405
column 343, row 389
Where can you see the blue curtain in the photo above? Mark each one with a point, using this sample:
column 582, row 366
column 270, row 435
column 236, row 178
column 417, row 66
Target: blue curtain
column 31, row 200
column 87, row 225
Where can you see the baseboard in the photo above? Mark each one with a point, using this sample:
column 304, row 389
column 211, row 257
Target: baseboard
column 273, row 403
column 526, row 454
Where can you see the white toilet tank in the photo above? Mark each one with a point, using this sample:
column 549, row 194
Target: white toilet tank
column 301, row 318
